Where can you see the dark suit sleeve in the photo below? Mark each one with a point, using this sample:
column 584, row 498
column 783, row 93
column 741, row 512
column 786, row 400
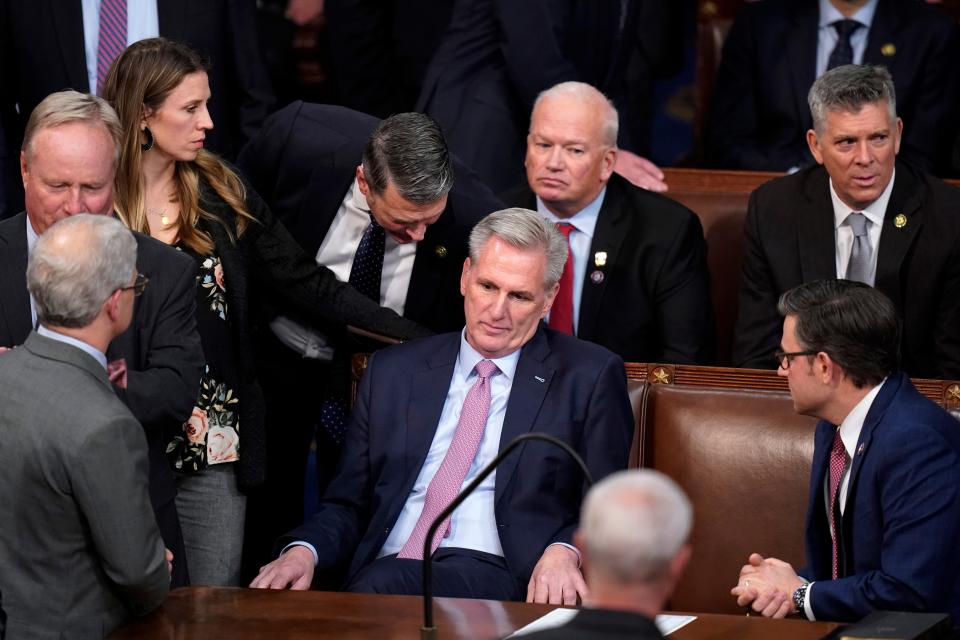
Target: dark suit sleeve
column 260, row 159
column 758, row 327
column 280, row 264
column 919, row 494
column 252, row 83
column 682, row 299
column 114, row 500
column 165, row 389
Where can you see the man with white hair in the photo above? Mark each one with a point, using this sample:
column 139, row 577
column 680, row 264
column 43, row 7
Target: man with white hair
column 636, row 281
column 73, row 465
column 633, row 538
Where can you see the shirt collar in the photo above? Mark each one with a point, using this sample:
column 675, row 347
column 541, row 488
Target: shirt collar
column 829, row 13
column 90, row 350
column 852, row 425
column 468, row 358
column 359, row 200
column 31, row 236
column 874, row 212
column 584, row 221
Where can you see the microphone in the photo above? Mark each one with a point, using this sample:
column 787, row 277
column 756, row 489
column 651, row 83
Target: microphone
column 429, row 631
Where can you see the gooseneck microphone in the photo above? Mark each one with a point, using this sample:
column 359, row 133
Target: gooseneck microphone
column 429, row 631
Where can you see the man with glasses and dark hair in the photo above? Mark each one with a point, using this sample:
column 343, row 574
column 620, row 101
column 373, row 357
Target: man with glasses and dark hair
column 884, row 513
column 73, row 465
column 67, row 163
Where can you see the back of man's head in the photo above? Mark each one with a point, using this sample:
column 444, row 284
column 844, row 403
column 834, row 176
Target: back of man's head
column 633, row 525
column 409, row 151
column 853, row 323
column 76, row 265
column 66, row 107
column 849, row 88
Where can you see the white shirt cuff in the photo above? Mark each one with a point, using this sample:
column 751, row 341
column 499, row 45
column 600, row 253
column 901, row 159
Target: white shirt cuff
column 807, row 607
column 572, row 548
column 301, row 543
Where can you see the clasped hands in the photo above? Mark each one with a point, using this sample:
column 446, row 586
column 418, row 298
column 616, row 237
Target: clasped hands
column 766, row 585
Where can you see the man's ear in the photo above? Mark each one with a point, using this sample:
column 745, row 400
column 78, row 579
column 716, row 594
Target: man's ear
column 548, row 302
column 362, row 182
column 464, row 275
column 112, row 305
column 813, row 141
column 24, row 169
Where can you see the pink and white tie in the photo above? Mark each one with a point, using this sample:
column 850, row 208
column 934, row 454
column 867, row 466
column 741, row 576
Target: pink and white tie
column 838, row 462
column 113, row 37
column 445, row 485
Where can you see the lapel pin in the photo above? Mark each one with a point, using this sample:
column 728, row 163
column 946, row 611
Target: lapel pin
column 596, row 277
column 441, row 251
column 860, row 448
column 900, row 221
column 888, row 49
column 600, row 259
column 539, row 379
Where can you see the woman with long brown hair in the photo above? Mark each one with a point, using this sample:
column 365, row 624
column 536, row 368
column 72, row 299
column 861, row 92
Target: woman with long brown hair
column 168, row 186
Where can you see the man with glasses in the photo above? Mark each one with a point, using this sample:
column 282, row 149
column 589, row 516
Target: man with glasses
column 68, row 161
column 76, row 512
column 883, row 518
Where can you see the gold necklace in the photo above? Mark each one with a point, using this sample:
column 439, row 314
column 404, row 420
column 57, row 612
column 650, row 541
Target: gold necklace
column 164, row 219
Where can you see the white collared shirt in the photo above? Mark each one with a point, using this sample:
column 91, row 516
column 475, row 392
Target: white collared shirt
column 31, row 240
column 827, row 35
column 581, row 238
column 142, row 22
column 843, row 233
column 90, row 350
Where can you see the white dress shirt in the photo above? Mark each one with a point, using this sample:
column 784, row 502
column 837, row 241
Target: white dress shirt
column 827, row 35
column 31, row 240
column 90, row 350
column 581, row 238
column 142, row 23
column 843, row 233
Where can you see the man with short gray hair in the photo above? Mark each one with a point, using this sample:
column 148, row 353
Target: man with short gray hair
column 432, row 413
column 73, row 466
column 858, row 214
column 633, row 535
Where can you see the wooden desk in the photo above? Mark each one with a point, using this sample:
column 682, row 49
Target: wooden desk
column 203, row 613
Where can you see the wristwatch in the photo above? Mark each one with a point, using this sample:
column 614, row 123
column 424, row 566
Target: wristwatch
column 799, row 596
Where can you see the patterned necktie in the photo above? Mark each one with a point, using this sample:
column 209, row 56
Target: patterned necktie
column 368, row 261
column 838, row 462
column 561, row 313
column 113, row 37
column 842, row 53
column 445, row 485
column 861, row 254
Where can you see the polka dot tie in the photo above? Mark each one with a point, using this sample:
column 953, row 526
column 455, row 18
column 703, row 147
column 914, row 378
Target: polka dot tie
column 838, row 463
column 843, row 51
column 368, row 261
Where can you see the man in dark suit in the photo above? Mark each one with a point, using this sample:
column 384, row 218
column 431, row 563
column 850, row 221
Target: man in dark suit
column 67, row 163
column 777, row 48
column 77, row 518
column 637, row 281
column 884, row 512
column 51, row 45
column 859, row 214
column 433, row 412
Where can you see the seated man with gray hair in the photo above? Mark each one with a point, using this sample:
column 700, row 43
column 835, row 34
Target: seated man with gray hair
column 633, row 537
column 79, row 546
column 858, row 214
column 431, row 413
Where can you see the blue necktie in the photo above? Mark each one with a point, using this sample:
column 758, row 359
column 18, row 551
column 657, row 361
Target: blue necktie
column 843, row 53
column 368, row 261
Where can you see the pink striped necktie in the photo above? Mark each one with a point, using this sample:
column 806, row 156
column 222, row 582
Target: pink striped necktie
column 445, row 485
column 113, row 37
column 838, row 462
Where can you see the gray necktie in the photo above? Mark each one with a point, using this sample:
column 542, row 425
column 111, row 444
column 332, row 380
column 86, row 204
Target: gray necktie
column 862, row 254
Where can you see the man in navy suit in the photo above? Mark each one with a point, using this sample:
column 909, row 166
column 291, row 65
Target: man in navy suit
column 514, row 533
column 884, row 514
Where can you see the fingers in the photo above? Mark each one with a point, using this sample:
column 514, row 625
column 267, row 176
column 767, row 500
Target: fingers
column 755, row 560
column 775, row 602
column 293, row 569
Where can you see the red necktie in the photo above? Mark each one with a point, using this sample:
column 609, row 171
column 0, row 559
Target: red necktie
column 113, row 37
column 561, row 313
column 446, row 483
column 838, row 462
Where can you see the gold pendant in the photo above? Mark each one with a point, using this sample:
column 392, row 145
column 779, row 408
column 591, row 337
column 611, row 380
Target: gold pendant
column 164, row 220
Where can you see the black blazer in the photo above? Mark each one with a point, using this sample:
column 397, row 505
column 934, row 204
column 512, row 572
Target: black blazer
column 652, row 303
column 759, row 115
column 42, row 51
column 304, row 161
column 789, row 239
column 161, row 346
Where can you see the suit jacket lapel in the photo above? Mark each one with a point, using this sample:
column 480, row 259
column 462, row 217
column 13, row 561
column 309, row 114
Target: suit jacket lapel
column 906, row 198
column 801, row 52
column 14, row 298
column 883, row 29
column 816, row 229
column 530, row 384
column 427, row 277
column 608, row 235
column 68, row 25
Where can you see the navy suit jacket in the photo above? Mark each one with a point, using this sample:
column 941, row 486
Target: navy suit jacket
column 653, row 302
column 901, row 522
column 759, row 115
column 564, row 387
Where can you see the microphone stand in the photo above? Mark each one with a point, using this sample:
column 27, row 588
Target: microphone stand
column 429, row 631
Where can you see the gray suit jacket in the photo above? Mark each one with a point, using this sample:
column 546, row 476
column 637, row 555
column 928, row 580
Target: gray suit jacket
column 79, row 545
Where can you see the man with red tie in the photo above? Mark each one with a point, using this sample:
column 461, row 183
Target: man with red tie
column 884, row 512
column 637, row 279
column 430, row 414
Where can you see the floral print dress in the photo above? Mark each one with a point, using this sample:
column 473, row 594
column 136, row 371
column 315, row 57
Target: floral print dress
column 212, row 433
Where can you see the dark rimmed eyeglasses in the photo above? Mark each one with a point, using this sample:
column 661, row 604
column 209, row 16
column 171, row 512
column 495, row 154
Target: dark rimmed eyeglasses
column 783, row 358
column 139, row 285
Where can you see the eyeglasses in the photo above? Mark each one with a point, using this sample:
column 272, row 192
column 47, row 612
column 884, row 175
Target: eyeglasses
column 139, row 285
column 783, row 358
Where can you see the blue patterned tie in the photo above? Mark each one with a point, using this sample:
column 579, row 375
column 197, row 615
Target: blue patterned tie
column 368, row 262
column 112, row 38
column 843, row 53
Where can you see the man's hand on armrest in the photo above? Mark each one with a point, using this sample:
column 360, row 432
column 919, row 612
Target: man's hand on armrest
column 556, row 579
column 293, row 569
